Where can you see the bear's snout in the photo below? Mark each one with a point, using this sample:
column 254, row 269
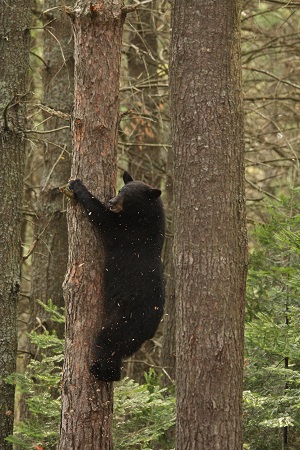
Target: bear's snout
column 115, row 205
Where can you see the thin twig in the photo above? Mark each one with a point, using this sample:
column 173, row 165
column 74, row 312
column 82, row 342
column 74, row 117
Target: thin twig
column 40, row 58
column 131, row 8
column 53, row 167
column 266, row 72
column 34, row 244
column 143, row 144
column 54, row 112
column 45, row 131
column 262, row 190
column 7, row 107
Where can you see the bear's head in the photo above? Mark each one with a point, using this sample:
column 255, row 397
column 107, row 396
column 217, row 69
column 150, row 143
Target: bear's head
column 134, row 198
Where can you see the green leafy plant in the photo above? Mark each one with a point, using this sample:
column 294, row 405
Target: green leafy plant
column 40, row 389
column 272, row 351
column 142, row 412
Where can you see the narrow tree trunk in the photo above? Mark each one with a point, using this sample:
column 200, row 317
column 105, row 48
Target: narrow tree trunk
column 87, row 404
column 14, row 62
column 210, row 233
column 50, row 257
column 145, row 156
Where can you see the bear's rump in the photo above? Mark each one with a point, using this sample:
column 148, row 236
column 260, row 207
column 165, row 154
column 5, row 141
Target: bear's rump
column 126, row 329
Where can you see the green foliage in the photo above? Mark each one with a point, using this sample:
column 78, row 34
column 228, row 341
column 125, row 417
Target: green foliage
column 272, row 351
column 40, row 386
column 142, row 412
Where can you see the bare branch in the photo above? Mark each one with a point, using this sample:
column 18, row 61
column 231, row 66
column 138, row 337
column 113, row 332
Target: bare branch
column 45, row 131
column 285, row 4
column 130, row 8
column 54, row 112
column 261, row 190
column 269, row 74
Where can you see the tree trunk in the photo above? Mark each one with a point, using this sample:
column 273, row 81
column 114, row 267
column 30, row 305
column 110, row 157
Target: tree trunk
column 87, row 404
column 144, row 155
column 14, row 62
column 210, row 233
column 50, row 257
column 145, row 158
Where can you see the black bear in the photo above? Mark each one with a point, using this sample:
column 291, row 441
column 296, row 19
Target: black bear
column 132, row 226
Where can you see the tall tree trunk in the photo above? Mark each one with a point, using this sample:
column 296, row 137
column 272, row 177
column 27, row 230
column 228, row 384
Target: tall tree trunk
column 210, row 231
column 145, row 156
column 14, row 61
column 87, row 404
column 50, row 257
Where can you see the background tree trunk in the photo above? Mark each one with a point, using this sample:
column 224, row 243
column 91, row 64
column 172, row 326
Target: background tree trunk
column 210, row 232
column 14, row 61
column 145, row 156
column 87, row 404
column 50, row 257
column 143, row 128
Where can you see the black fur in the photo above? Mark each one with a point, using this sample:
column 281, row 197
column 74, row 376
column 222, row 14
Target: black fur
column 132, row 226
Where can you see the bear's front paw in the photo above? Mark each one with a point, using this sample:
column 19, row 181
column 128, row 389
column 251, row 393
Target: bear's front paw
column 70, row 189
column 74, row 185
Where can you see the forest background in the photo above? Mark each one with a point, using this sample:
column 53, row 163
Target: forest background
column 270, row 58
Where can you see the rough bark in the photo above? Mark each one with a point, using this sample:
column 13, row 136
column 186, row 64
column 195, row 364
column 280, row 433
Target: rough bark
column 87, row 404
column 210, row 234
column 14, row 63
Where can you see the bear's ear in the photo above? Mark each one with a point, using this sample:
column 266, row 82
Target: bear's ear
column 127, row 177
column 153, row 193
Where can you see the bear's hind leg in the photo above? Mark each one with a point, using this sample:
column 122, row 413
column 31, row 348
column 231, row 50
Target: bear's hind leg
column 106, row 366
column 109, row 370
